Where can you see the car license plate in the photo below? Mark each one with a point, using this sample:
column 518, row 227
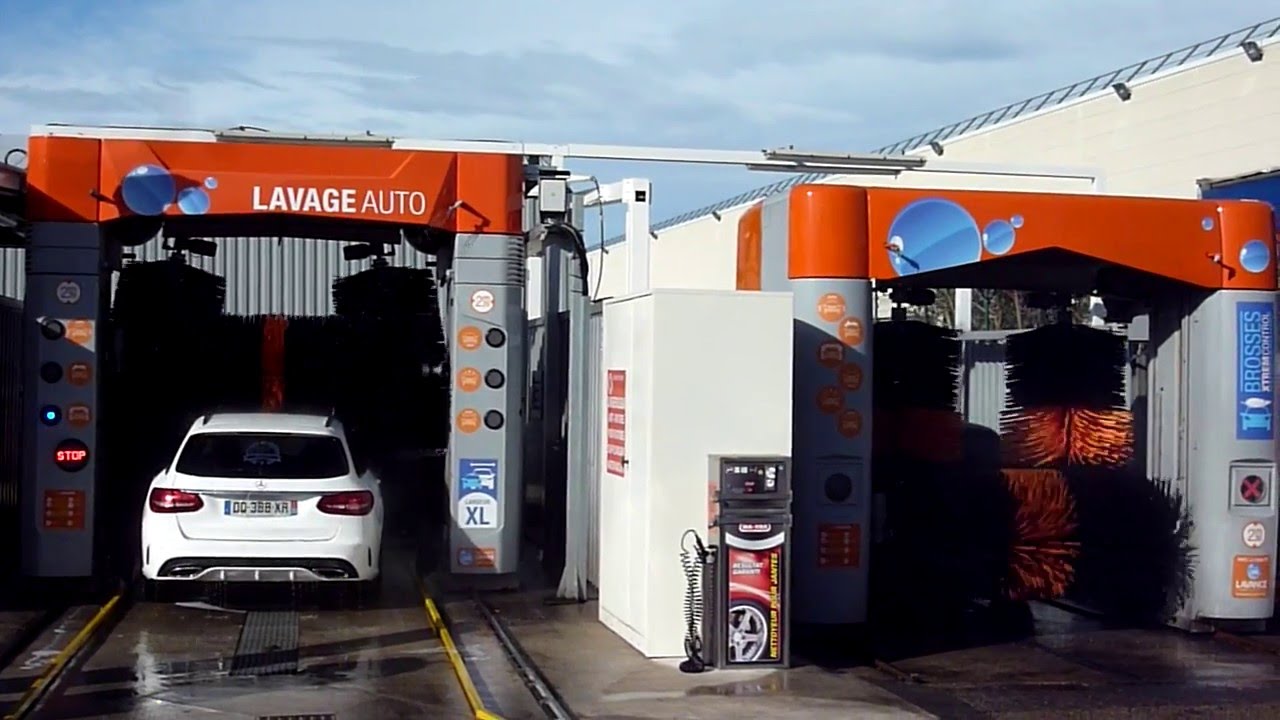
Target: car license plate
column 260, row 508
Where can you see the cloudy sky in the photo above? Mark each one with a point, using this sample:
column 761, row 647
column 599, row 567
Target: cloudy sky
column 747, row 74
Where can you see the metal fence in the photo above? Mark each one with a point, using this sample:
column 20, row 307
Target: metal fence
column 285, row 276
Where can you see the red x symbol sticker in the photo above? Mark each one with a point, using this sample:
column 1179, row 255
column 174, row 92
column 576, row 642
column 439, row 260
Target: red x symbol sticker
column 1252, row 489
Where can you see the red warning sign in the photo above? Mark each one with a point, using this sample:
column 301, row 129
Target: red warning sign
column 830, row 399
column 616, row 423
column 831, row 353
column 1253, row 489
column 64, row 510
column 839, row 545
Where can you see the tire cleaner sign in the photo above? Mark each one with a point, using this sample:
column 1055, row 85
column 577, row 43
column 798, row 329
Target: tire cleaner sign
column 1255, row 372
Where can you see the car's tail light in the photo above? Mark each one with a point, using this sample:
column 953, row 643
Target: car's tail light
column 164, row 500
column 359, row 502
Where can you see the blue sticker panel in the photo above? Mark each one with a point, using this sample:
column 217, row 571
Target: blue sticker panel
column 478, row 494
column 1255, row 370
column 478, row 476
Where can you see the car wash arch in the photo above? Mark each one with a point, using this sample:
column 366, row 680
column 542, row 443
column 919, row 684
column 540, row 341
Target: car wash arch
column 123, row 354
column 1160, row 509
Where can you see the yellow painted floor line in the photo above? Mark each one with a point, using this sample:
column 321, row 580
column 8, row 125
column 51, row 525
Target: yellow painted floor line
column 460, row 671
column 59, row 663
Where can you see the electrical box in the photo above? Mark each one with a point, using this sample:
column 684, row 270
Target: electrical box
column 686, row 374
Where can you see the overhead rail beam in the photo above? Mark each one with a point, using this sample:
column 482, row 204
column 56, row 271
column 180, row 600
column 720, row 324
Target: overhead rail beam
column 778, row 160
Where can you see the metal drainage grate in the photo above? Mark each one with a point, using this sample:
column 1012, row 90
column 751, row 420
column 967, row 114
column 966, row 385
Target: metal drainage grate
column 268, row 646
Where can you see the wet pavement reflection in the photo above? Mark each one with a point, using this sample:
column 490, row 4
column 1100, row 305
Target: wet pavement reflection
column 175, row 660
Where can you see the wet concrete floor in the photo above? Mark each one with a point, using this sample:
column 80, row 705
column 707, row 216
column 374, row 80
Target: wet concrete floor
column 600, row 676
column 164, row 660
column 1072, row 667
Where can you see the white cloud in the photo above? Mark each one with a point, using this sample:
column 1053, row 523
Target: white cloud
column 821, row 74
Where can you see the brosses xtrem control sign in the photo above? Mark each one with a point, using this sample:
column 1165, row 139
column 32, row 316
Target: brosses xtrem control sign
column 1255, row 371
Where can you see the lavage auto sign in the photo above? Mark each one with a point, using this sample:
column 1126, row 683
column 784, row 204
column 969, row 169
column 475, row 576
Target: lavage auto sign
column 339, row 201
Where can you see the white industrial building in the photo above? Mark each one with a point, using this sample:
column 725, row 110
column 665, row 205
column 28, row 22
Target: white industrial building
column 1153, row 128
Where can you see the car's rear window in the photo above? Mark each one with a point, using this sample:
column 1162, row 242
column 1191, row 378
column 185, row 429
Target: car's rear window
column 264, row 455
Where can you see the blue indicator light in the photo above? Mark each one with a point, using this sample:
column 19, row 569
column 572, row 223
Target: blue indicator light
column 50, row 415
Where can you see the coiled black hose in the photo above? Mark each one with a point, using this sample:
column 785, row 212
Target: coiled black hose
column 692, row 560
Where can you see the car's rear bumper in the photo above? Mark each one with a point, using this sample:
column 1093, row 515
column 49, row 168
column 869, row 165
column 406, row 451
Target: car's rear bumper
column 228, row 569
column 168, row 555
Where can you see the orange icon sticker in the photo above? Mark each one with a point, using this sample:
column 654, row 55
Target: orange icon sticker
column 850, row 423
column 79, row 373
column 830, row 399
column 851, row 331
column 850, row 377
column 831, row 353
column 80, row 332
column 468, row 421
column 831, row 307
column 470, row 337
column 79, row 415
column 468, row 379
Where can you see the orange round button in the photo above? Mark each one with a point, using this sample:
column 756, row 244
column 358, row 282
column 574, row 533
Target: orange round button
column 831, row 307
column 830, row 353
column 850, row 423
column 468, row 421
column 830, row 399
column 79, row 415
column 851, row 331
column 80, row 332
column 79, row 373
column 468, row 379
column 850, row 377
column 470, row 337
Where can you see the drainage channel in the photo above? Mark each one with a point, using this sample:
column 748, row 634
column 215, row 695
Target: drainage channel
column 268, row 645
column 543, row 691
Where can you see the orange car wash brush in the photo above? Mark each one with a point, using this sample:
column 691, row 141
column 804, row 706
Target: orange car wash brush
column 1136, row 562
column 1041, row 555
column 1066, row 398
column 917, row 443
column 273, row 355
column 392, row 358
column 916, row 371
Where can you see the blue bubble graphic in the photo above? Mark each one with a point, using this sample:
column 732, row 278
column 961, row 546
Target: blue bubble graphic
column 147, row 189
column 1206, row 224
column 193, row 201
column 933, row 234
column 1016, row 221
column 1255, row 256
column 998, row 237
column 211, row 183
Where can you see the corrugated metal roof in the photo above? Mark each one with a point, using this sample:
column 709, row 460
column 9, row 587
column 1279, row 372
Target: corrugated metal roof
column 1229, row 42
column 290, row 276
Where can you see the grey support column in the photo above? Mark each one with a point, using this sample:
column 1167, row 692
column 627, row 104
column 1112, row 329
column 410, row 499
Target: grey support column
column 65, row 297
column 488, row 326
column 1227, row 377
